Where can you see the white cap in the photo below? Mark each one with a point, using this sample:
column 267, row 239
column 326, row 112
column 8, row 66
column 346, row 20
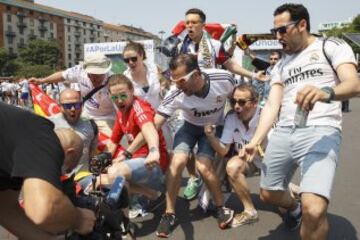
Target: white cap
column 97, row 63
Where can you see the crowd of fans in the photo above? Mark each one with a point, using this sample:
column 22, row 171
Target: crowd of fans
column 199, row 118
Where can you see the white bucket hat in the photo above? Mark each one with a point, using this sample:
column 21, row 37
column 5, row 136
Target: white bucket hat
column 97, row 63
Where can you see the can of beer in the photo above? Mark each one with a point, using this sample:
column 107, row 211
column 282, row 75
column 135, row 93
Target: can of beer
column 300, row 118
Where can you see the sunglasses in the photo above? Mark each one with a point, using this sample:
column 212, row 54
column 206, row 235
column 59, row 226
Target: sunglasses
column 132, row 59
column 69, row 106
column 121, row 96
column 241, row 102
column 283, row 29
column 185, row 78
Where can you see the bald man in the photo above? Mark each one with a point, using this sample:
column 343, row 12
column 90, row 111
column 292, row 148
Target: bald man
column 32, row 158
column 70, row 117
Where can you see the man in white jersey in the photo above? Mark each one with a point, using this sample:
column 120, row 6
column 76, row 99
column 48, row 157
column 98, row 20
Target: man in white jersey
column 239, row 128
column 93, row 73
column 201, row 95
column 304, row 79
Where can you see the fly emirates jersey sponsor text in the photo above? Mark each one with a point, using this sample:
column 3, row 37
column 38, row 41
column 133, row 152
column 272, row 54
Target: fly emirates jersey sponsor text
column 310, row 67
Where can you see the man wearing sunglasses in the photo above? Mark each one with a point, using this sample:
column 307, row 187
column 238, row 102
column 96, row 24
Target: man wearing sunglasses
column 91, row 74
column 240, row 125
column 70, row 117
column 201, row 96
column 304, row 82
column 144, row 168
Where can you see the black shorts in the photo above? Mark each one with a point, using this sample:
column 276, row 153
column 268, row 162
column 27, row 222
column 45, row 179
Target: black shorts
column 9, row 183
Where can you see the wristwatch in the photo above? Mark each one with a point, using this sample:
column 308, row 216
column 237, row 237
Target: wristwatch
column 127, row 154
column 331, row 92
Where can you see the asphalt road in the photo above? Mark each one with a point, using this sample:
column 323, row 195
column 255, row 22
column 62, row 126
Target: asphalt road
column 344, row 210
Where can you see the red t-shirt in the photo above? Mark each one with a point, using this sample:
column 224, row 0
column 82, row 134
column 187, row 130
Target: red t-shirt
column 129, row 125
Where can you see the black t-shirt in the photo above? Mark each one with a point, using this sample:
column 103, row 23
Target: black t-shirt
column 29, row 148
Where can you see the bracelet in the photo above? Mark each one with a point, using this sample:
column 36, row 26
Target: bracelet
column 127, row 154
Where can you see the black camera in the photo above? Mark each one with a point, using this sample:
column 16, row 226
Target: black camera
column 106, row 202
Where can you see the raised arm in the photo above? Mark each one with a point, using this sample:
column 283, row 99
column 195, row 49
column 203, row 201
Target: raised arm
column 53, row 78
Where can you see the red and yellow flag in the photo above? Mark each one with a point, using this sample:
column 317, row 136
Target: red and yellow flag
column 44, row 105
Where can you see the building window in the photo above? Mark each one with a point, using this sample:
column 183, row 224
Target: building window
column 42, row 34
column 8, row 8
column 10, row 40
column 68, row 29
column 69, row 56
column 11, row 50
column 84, row 24
column 9, row 18
column 51, row 26
column 98, row 34
column 22, row 41
column 51, row 35
column 31, row 22
column 84, row 31
column 69, row 38
column 31, row 12
column 21, row 30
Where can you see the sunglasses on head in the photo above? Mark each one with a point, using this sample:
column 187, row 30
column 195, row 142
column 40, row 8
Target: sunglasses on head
column 185, row 78
column 283, row 29
column 121, row 96
column 241, row 102
column 132, row 59
column 68, row 106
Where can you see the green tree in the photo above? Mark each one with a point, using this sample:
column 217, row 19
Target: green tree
column 28, row 71
column 40, row 52
column 8, row 64
column 354, row 27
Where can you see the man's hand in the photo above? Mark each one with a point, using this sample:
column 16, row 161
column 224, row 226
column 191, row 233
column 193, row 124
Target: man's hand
column 309, row 95
column 120, row 157
column 152, row 159
column 248, row 152
column 210, row 130
column 34, row 80
column 86, row 221
column 260, row 76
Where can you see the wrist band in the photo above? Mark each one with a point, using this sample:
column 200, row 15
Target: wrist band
column 127, row 154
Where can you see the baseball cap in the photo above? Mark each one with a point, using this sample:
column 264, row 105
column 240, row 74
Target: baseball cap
column 97, row 63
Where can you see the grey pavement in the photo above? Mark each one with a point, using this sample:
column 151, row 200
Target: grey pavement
column 344, row 210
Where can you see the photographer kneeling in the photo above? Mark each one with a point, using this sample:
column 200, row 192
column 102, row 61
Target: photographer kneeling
column 144, row 168
column 33, row 157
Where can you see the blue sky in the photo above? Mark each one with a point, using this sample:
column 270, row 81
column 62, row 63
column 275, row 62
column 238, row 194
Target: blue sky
column 250, row 16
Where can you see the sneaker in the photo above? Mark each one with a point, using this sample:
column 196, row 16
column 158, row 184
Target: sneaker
column 244, row 218
column 166, row 225
column 225, row 216
column 137, row 210
column 192, row 188
column 292, row 222
column 155, row 204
